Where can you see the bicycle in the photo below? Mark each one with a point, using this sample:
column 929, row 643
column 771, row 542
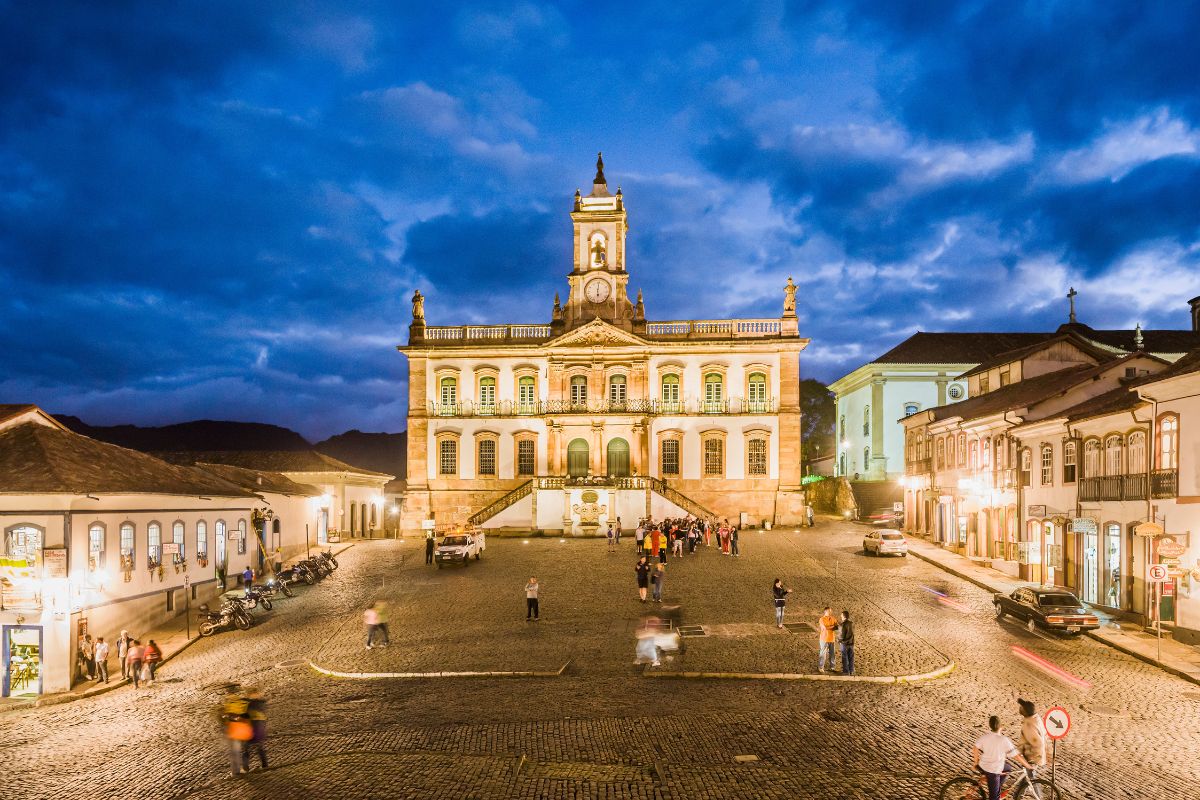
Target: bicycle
column 1026, row 787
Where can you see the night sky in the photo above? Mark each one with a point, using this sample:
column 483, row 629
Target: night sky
column 220, row 210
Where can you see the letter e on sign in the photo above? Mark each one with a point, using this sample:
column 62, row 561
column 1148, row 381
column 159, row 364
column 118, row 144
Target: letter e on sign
column 1058, row 722
column 1158, row 573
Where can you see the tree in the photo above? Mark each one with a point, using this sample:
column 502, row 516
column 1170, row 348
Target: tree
column 817, row 423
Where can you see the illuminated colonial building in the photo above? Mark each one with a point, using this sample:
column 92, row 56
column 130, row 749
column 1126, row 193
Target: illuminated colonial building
column 601, row 413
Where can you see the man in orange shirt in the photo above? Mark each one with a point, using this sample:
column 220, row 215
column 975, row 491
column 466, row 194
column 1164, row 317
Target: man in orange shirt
column 827, row 626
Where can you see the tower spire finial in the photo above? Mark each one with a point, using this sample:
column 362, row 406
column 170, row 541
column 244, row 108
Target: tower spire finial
column 1071, row 297
column 1138, row 340
column 600, row 169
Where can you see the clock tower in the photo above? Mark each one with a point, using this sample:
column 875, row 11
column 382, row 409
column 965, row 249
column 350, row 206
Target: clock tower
column 598, row 280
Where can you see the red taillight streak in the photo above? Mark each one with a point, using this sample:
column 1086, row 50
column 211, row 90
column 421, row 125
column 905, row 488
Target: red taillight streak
column 1053, row 669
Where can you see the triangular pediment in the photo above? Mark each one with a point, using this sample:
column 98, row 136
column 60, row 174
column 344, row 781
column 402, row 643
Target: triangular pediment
column 596, row 333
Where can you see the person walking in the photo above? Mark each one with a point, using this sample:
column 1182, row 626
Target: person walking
column 611, row 541
column 677, row 546
column 151, row 658
column 618, row 531
column 371, row 620
column 430, row 543
column 256, row 714
column 811, row 516
column 643, row 577
column 733, row 541
column 659, row 576
column 101, row 656
column 235, row 726
column 827, row 627
column 134, row 661
column 531, row 600
column 247, row 579
column 780, row 595
column 381, row 622
column 846, row 643
column 123, row 642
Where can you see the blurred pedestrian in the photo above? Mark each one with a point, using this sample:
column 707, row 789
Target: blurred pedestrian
column 430, row 543
column 235, row 726
column 123, row 642
column 371, row 620
column 659, row 576
column 846, row 643
column 381, row 622
column 677, row 545
column 780, row 595
column 827, row 628
column 733, row 541
column 1033, row 735
column 256, row 713
column 643, row 577
column 611, row 540
column 101, row 655
column 639, row 535
column 531, row 600
column 247, row 579
column 87, row 660
column 811, row 516
column 134, row 661
column 152, row 658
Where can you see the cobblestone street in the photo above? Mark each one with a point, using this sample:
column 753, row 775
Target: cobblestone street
column 605, row 728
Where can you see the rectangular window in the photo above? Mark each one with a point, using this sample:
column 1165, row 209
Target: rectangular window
column 983, row 383
column 670, row 394
column 526, row 398
column 1069, row 462
column 202, row 539
column 670, row 457
column 177, row 538
column 95, row 547
column 714, row 457
column 153, row 544
column 487, row 395
column 448, row 457
column 1026, row 467
column 616, row 391
column 526, row 457
column 1005, row 377
column 579, row 391
column 756, row 456
column 487, row 457
column 1047, row 466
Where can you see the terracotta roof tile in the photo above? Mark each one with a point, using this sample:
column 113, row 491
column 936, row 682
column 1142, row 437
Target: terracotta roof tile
column 260, row 480
column 270, row 461
column 956, row 348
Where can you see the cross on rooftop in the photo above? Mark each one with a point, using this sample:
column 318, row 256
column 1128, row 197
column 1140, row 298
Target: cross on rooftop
column 1071, row 297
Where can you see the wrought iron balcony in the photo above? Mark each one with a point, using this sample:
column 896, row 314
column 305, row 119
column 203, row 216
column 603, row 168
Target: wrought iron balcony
column 1114, row 488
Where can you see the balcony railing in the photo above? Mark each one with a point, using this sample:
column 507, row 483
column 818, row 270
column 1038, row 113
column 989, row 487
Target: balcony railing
column 921, row 466
column 1164, row 483
column 714, row 329
column 483, row 333
column 1125, row 487
column 508, row 408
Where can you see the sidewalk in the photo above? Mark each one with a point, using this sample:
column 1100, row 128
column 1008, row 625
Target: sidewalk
column 171, row 638
column 1178, row 659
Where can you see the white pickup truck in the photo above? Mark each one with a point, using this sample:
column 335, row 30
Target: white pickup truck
column 458, row 548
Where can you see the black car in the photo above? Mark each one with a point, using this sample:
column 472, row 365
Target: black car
column 1052, row 609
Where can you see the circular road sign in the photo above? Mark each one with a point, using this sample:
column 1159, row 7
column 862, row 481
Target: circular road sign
column 1058, row 722
column 1158, row 572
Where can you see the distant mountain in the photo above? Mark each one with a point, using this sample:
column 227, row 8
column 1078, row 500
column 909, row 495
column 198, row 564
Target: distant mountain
column 205, row 434
column 381, row 452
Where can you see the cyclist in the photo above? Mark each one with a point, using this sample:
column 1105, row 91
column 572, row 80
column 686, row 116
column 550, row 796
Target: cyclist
column 992, row 751
column 1033, row 736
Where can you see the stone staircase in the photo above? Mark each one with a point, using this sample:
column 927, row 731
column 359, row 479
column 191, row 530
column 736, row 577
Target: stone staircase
column 496, row 506
column 870, row 495
column 639, row 483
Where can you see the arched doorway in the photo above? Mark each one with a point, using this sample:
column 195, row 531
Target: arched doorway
column 353, row 517
column 618, row 458
column 577, row 458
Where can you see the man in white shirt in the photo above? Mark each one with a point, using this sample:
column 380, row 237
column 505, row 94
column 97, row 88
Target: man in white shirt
column 992, row 751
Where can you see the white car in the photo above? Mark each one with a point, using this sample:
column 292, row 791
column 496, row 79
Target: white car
column 885, row 542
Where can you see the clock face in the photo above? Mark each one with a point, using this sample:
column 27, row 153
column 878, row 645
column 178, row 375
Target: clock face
column 596, row 291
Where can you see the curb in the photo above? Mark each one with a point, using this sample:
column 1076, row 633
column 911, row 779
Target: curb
column 420, row 675
column 940, row 672
column 1090, row 634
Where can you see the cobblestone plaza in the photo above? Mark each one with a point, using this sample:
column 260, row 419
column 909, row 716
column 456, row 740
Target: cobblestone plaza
column 604, row 727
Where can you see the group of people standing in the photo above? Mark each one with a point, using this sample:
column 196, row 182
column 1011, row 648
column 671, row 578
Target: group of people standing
column 831, row 631
column 678, row 536
column 138, row 662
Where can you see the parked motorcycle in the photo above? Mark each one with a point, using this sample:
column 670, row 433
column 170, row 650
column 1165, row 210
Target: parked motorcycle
column 278, row 585
column 328, row 558
column 256, row 596
column 318, row 568
column 232, row 614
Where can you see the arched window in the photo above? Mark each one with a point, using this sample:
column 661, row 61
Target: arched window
column 987, row 452
column 866, row 458
column 618, row 458
column 756, row 391
column 842, row 464
column 95, row 547
column 866, row 420
column 1026, row 466
column 1070, row 461
column 241, row 537
column 714, row 393
column 579, row 391
column 616, row 391
column 487, row 395
column 1114, row 460
column 374, row 517
column 962, row 450
column 526, row 395
column 153, row 544
column 1047, row 459
column 598, row 250
column 353, row 516
column 127, row 547
column 221, row 540
column 1136, row 453
column 448, row 396
column 670, row 393
column 202, row 539
column 447, row 457
column 577, row 458
column 487, row 457
column 974, row 455
column 941, row 452
column 1168, row 441
column 1092, row 459
column 177, row 538
column 842, row 429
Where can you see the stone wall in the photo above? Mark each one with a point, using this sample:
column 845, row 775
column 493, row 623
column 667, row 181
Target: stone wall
column 831, row 496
